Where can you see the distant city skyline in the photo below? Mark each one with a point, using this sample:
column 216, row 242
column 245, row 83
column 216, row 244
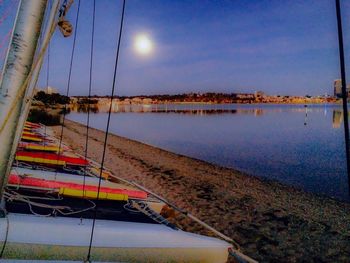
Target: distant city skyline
column 287, row 48
column 51, row 89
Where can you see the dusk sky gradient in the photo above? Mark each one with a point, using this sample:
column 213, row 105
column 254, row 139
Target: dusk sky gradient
column 279, row 47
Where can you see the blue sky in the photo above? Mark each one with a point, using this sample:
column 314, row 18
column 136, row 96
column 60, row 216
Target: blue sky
column 280, row 47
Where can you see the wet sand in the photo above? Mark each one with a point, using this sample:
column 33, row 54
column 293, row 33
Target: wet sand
column 272, row 222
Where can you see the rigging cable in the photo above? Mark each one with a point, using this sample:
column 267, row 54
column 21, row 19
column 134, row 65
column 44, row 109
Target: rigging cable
column 47, row 68
column 47, row 79
column 56, row 208
column 48, row 65
column 344, row 93
column 90, row 84
column 68, row 82
column 107, row 127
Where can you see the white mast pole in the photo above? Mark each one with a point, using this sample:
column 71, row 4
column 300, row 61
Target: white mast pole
column 17, row 67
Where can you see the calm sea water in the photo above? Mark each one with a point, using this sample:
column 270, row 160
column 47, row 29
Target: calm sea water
column 296, row 145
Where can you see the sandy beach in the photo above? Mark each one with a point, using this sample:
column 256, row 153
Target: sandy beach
column 270, row 221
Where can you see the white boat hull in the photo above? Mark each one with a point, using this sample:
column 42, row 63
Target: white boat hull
column 58, row 238
column 68, row 178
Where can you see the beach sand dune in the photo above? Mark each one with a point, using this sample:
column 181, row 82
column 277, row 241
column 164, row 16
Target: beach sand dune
column 271, row 222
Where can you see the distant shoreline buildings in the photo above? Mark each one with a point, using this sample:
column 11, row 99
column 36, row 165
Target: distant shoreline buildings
column 338, row 89
column 202, row 98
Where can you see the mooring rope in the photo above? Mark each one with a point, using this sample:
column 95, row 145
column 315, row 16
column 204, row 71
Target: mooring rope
column 90, row 85
column 68, row 81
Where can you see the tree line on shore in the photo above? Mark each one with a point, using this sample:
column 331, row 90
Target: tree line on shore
column 184, row 97
column 51, row 99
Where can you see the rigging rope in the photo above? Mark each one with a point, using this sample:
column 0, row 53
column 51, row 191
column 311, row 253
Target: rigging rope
column 55, row 208
column 107, row 127
column 344, row 91
column 68, row 82
column 90, row 84
column 47, row 68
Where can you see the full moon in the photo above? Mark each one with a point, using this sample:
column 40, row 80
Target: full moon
column 143, row 45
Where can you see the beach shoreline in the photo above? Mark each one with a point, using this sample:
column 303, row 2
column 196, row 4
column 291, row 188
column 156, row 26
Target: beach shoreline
column 271, row 221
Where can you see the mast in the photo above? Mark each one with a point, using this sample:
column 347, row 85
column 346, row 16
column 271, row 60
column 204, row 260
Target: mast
column 36, row 71
column 13, row 86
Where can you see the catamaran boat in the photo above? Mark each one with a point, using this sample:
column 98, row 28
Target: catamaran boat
column 58, row 206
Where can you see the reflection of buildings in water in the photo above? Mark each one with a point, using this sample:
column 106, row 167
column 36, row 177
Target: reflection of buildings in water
column 84, row 108
column 337, row 89
column 199, row 110
column 137, row 108
column 258, row 112
column 148, row 108
column 114, row 107
column 337, row 118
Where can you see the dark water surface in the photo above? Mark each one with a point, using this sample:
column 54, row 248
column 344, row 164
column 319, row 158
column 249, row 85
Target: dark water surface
column 294, row 144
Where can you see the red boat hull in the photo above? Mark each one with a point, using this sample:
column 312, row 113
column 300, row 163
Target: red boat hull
column 35, row 182
column 52, row 156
